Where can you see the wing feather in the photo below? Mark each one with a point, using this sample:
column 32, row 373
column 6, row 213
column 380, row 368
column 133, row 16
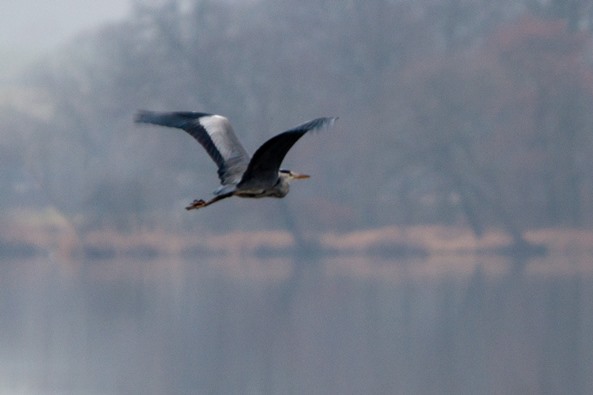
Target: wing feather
column 265, row 164
column 213, row 132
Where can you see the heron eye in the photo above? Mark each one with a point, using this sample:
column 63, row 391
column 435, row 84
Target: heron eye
column 284, row 171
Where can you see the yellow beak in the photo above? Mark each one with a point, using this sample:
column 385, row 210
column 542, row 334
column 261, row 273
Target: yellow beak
column 298, row 176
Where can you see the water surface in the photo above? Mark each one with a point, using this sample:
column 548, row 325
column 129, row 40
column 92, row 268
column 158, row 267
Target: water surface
column 340, row 325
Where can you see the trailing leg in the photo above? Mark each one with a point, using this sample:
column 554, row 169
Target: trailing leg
column 196, row 204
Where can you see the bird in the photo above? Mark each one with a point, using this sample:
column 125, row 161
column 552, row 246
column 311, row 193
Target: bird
column 240, row 175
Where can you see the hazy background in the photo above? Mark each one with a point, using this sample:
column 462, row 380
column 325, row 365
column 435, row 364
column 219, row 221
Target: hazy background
column 461, row 112
column 38, row 26
column 442, row 245
column 30, row 29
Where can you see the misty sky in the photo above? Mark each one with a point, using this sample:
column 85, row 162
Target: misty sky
column 31, row 27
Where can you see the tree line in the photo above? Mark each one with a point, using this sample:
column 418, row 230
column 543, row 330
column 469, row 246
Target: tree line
column 456, row 112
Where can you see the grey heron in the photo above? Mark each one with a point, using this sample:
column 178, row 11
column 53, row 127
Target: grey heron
column 240, row 175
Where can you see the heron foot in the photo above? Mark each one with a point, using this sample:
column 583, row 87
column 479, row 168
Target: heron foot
column 196, row 204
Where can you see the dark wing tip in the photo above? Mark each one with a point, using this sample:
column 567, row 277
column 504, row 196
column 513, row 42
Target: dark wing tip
column 143, row 116
column 176, row 119
column 315, row 124
column 329, row 121
column 325, row 122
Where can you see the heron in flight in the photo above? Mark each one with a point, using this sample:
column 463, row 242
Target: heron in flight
column 240, row 175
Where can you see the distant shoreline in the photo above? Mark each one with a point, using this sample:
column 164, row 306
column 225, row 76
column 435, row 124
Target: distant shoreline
column 24, row 239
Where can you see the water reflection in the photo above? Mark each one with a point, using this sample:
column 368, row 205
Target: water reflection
column 347, row 325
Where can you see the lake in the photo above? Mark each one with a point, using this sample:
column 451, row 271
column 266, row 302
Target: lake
column 238, row 324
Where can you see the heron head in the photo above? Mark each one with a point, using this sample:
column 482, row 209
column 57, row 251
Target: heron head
column 292, row 175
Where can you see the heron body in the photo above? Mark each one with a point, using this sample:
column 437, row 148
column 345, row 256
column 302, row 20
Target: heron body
column 240, row 175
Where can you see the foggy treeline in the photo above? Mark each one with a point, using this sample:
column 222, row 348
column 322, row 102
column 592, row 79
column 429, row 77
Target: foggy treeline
column 471, row 112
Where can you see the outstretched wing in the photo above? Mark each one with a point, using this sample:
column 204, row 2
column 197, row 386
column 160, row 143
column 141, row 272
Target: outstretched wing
column 265, row 164
column 213, row 132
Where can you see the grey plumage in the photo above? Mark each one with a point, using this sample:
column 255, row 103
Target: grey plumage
column 239, row 174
